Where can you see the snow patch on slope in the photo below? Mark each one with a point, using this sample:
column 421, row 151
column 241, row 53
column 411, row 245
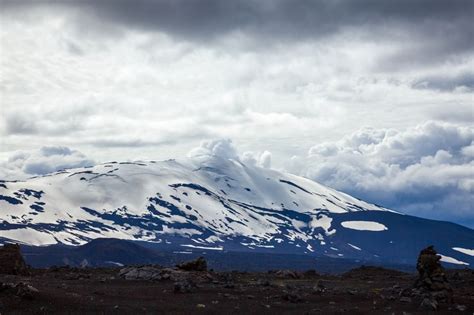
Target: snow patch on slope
column 353, row 246
column 202, row 247
column 364, row 226
column 452, row 260
column 32, row 236
column 466, row 251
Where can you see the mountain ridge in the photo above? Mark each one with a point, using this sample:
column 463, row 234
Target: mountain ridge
column 214, row 203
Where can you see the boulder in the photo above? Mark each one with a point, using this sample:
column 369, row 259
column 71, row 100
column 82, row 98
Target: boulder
column 157, row 273
column 198, row 264
column 429, row 304
column 292, row 297
column 319, row 288
column 21, row 290
column 11, row 260
column 184, row 286
column 287, row 274
column 143, row 273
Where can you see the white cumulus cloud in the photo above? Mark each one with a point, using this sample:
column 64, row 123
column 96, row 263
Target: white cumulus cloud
column 224, row 148
column 219, row 147
column 426, row 170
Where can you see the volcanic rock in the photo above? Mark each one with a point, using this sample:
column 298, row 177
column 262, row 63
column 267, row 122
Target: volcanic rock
column 292, row 297
column 319, row 288
column 21, row 290
column 432, row 278
column 151, row 273
column 287, row 274
column 11, row 261
column 429, row 304
column 198, row 264
column 184, row 286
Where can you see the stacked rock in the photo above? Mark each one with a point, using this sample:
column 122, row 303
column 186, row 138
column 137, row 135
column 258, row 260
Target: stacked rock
column 432, row 281
column 11, row 260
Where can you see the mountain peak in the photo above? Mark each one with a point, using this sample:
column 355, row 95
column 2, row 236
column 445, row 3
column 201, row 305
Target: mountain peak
column 206, row 201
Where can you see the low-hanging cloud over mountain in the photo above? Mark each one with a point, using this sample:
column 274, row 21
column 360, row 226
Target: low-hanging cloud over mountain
column 224, row 148
column 426, row 170
column 24, row 164
column 219, row 147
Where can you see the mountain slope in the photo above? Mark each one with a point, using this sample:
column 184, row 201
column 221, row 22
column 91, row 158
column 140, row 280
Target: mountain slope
column 214, row 203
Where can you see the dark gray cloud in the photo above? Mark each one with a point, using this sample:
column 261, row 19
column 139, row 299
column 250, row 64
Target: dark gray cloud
column 446, row 82
column 129, row 143
column 436, row 30
column 19, row 124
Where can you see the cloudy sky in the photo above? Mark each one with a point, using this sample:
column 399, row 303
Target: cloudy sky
column 374, row 98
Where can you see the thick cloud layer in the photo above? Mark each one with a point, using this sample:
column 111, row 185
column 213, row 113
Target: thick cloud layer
column 129, row 80
column 427, row 170
column 24, row 164
column 438, row 28
column 149, row 79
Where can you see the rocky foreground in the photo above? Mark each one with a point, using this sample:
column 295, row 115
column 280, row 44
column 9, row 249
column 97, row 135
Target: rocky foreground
column 192, row 288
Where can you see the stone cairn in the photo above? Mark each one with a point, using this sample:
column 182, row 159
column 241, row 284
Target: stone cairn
column 12, row 263
column 11, row 260
column 432, row 283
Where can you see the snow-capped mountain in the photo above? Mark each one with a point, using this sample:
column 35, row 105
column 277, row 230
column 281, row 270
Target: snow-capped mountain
column 217, row 204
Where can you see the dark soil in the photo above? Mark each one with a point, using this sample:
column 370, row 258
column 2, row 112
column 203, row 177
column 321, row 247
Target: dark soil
column 102, row 291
